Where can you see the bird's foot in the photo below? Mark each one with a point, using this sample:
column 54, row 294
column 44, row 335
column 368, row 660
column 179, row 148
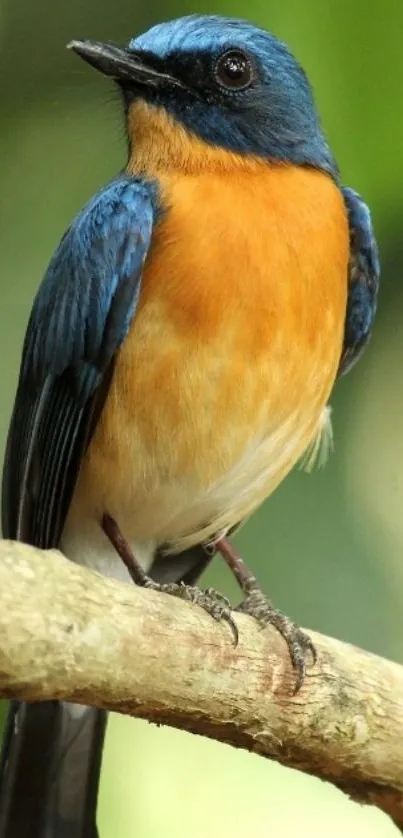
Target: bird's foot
column 299, row 644
column 210, row 600
column 214, row 603
column 257, row 605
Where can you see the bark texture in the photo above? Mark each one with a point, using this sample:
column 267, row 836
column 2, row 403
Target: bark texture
column 68, row 633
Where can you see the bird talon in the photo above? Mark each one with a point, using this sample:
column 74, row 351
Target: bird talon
column 218, row 596
column 211, row 601
column 233, row 626
column 259, row 607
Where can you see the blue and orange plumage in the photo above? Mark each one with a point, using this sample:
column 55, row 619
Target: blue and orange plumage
column 222, row 381
column 183, row 346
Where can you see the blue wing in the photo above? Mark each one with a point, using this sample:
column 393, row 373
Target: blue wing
column 363, row 287
column 80, row 317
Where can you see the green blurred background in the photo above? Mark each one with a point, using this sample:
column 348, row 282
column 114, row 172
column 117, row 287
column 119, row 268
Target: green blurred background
column 329, row 546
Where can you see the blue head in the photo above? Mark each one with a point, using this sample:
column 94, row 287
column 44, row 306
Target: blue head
column 225, row 81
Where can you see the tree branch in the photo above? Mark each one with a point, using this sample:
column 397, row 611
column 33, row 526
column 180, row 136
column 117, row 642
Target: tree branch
column 68, row 633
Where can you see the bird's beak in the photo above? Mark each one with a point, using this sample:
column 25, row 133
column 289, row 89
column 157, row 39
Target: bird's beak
column 123, row 65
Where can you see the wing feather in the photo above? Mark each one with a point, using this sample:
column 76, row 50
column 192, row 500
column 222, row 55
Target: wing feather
column 80, row 317
column 364, row 272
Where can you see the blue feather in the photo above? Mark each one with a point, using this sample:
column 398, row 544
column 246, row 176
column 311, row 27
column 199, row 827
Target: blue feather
column 80, row 317
column 86, row 302
column 275, row 118
column 364, row 274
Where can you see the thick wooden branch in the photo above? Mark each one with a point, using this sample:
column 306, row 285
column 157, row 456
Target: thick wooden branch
column 68, row 633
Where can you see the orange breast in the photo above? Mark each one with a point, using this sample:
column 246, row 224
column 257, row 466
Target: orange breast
column 232, row 354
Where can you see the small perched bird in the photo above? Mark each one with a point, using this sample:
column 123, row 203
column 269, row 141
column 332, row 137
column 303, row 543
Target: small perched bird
column 180, row 354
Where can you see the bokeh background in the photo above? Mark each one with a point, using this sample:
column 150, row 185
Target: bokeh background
column 329, row 546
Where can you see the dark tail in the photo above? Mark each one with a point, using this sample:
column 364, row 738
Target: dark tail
column 52, row 751
column 49, row 770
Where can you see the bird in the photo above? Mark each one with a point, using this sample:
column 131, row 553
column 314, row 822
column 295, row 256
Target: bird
column 180, row 355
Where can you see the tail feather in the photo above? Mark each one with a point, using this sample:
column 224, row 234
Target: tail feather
column 52, row 751
column 49, row 773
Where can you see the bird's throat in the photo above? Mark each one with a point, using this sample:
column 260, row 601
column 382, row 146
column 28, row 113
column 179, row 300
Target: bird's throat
column 159, row 143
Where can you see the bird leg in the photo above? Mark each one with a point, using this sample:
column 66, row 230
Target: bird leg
column 258, row 606
column 255, row 603
column 121, row 546
column 214, row 603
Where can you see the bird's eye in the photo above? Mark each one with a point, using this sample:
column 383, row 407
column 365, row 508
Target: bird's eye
column 234, row 70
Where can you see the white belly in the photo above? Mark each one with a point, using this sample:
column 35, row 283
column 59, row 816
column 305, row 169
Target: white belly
column 86, row 544
column 180, row 516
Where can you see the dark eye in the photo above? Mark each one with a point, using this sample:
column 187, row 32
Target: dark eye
column 234, row 70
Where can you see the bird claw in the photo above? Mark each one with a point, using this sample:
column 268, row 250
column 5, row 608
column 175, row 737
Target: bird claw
column 299, row 644
column 210, row 600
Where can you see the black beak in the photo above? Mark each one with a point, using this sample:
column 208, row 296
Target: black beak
column 123, row 65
